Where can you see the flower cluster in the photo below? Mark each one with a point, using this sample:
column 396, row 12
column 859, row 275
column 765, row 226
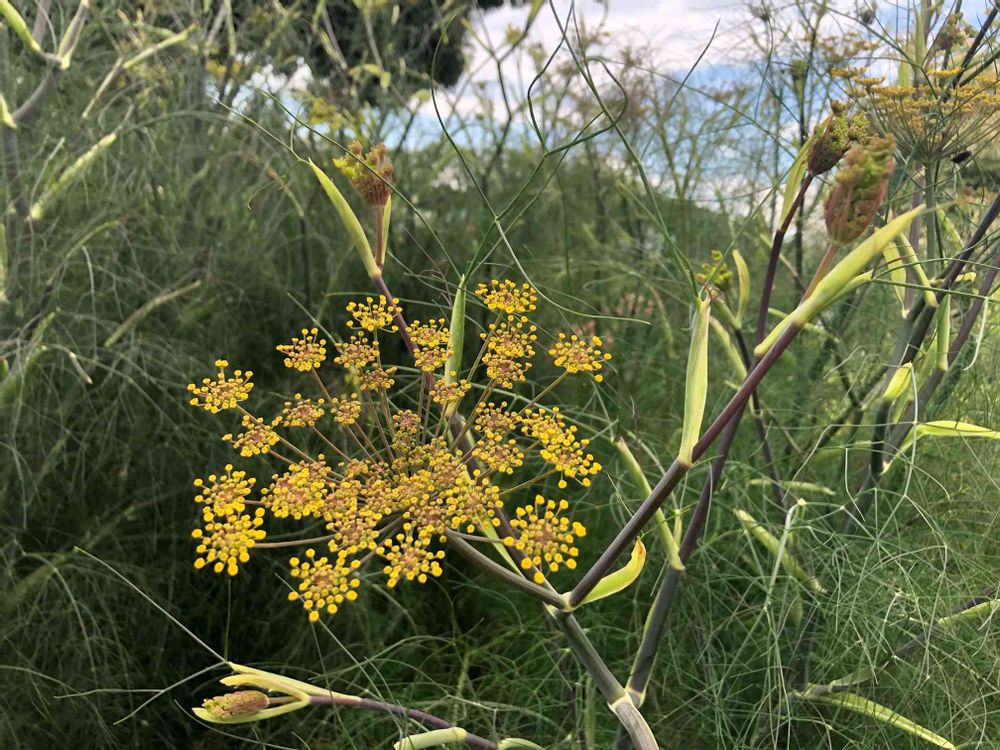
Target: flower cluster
column 935, row 117
column 225, row 392
column 389, row 474
column 545, row 537
column 370, row 174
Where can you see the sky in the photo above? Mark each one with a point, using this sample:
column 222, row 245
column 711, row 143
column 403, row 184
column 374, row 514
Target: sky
column 679, row 28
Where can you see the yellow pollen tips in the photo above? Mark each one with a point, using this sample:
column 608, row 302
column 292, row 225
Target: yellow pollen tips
column 507, row 297
column 574, row 354
column 306, row 353
column 224, row 392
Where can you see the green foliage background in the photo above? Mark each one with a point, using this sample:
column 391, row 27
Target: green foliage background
column 98, row 448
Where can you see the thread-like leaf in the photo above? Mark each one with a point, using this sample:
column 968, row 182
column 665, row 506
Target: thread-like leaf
column 350, row 220
column 696, row 382
column 71, row 174
column 841, row 276
column 861, row 705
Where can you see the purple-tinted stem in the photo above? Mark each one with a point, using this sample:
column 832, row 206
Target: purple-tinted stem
column 421, row 717
column 676, row 471
column 772, row 261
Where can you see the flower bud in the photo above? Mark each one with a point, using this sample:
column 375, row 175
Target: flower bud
column 833, row 137
column 859, row 189
column 234, row 705
column 370, row 174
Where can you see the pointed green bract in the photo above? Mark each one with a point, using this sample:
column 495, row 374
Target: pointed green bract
column 6, row 118
column 667, row 539
column 386, row 217
column 516, row 743
column 74, row 171
column 18, row 25
column 350, row 220
column 910, row 257
column 897, row 273
column 861, row 705
column 945, row 428
column 743, row 278
column 774, row 546
column 795, row 175
column 621, row 578
column 730, row 349
column 899, row 383
column 434, row 738
column 793, row 486
column 696, row 382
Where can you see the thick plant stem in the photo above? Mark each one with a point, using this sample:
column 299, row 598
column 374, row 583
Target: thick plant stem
column 656, row 620
column 773, row 258
column 733, row 411
column 611, row 690
column 421, row 717
column 676, row 471
column 908, row 344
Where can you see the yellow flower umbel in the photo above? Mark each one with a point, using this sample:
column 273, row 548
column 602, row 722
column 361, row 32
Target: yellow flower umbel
column 225, row 494
column 226, row 541
column 324, row 585
column 546, row 538
column 507, row 297
column 224, row 392
column 302, row 412
column 304, row 354
column 405, row 475
column 574, row 354
column 257, row 437
column 931, row 119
